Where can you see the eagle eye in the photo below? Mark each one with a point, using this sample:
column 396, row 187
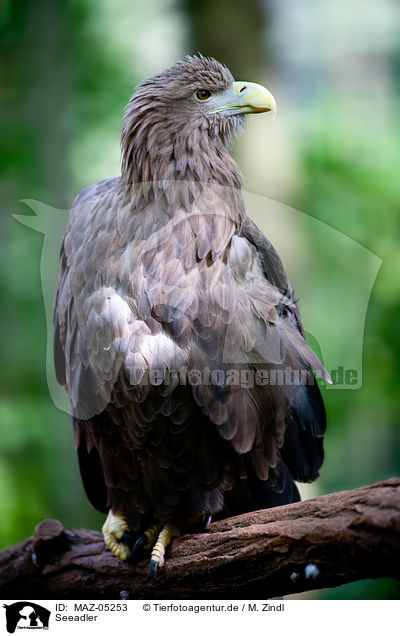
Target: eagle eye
column 203, row 94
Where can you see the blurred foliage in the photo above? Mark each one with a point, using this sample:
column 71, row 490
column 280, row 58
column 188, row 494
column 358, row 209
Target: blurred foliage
column 66, row 74
column 355, row 190
column 239, row 43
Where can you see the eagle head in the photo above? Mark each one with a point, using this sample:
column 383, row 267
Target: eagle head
column 180, row 117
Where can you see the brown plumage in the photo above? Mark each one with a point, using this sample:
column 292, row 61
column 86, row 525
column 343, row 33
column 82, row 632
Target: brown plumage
column 161, row 271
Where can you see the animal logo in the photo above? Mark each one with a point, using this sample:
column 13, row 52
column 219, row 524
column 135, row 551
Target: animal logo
column 26, row 615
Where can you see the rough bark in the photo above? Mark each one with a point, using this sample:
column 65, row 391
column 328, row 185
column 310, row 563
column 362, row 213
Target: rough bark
column 322, row 542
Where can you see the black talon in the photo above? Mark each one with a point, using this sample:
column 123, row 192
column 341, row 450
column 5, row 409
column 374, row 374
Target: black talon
column 154, row 570
column 139, row 543
column 127, row 537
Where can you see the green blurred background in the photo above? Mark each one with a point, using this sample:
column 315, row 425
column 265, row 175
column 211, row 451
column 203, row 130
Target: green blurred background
column 67, row 70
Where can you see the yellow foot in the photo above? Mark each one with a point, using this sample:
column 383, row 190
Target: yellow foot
column 113, row 529
column 158, row 552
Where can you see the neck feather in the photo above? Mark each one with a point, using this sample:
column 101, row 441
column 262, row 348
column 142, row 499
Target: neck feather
column 156, row 150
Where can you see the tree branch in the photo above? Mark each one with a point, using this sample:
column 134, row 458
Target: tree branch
column 322, row 542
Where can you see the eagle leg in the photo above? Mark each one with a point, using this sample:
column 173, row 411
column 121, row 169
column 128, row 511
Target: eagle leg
column 158, row 552
column 115, row 530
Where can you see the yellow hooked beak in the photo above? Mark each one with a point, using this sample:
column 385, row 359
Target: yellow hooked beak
column 244, row 98
column 254, row 98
